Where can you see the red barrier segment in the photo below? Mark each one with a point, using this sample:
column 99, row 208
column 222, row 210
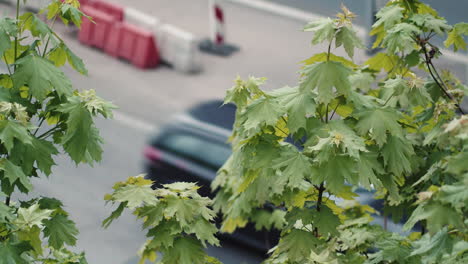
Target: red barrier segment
column 86, row 32
column 133, row 44
column 95, row 33
column 114, row 10
column 146, row 54
column 113, row 40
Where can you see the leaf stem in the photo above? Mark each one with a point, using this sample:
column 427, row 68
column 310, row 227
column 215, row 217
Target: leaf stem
column 39, row 126
column 17, row 33
column 47, row 133
column 334, row 111
column 7, row 65
column 326, row 115
column 48, row 39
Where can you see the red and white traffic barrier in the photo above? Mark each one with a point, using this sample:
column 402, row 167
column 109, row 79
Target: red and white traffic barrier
column 218, row 33
column 216, row 44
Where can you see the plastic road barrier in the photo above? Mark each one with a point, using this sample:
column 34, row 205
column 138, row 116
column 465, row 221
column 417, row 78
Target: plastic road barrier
column 114, row 10
column 140, row 19
column 179, row 48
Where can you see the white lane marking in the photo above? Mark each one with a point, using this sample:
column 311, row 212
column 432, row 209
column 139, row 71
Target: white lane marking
column 286, row 11
column 134, row 122
column 297, row 14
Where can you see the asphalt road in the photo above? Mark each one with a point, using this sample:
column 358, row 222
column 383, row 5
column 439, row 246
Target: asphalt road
column 270, row 46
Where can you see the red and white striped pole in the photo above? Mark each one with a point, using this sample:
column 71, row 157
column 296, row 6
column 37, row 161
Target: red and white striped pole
column 218, row 33
column 216, row 43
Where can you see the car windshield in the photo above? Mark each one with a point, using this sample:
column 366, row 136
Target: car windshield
column 202, row 151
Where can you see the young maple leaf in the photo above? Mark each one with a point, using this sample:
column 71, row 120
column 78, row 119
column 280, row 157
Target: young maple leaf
column 324, row 30
column 347, row 37
column 400, row 38
column 431, row 23
column 40, row 75
column 388, row 16
column 325, row 76
column 299, row 106
column 455, row 37
column 60, row 230
column 378, row 122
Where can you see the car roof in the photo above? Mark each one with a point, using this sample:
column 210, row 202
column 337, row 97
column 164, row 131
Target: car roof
column 214, row 112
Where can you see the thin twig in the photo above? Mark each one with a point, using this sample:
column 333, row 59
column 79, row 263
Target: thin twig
column 6, row 62
column 334, row 111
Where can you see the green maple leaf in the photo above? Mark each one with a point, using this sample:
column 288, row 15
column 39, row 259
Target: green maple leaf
column 185, row 250
column 262, row 112
column 334, row 175
column 40, row 151
column 69, row 12
column 6, row 214
column 242, row 91
column 36, row 26
column 325, row 76
column 347, row 37
column 135, row 195
column 382, row 61
column 326, row 221
column 299, row 105
column 324, row 30
column 114, row 215
column 182, row 209
column 400, row 38
column 432, row 248
column 264, row 219
column 431, row 23
column 204, row 231
column 397, row 154
column 61, row 54
column 457, row 195
column 298, row 244
column 346, row 139
column 295, row 166
column 392, row 249
column 32, row 216
column 81, row 139
column 33, row 237
column 60, row 230
column 15, row 176
column 388, row 16
column 163, row 235
column 40, row 75
column 455, row 37
column 368, row 169
column 11, row 252
column 151, row 214
column 362, row 80
column 10, row 130
column 325, row 56
column 377, row 122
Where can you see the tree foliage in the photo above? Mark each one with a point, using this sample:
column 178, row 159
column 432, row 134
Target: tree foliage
column 392, row 125
column 41, row 116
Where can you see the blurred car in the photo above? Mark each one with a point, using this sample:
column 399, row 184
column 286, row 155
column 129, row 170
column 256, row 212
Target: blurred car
column 193, row 146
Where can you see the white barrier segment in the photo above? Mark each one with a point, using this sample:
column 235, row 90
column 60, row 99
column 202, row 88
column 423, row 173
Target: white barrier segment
column 138, row 18
column 179, row 48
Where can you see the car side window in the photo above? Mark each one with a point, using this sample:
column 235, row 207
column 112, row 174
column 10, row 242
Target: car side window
column 197, row 149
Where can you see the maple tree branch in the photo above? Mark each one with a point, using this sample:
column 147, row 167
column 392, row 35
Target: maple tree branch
column 436, row 77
